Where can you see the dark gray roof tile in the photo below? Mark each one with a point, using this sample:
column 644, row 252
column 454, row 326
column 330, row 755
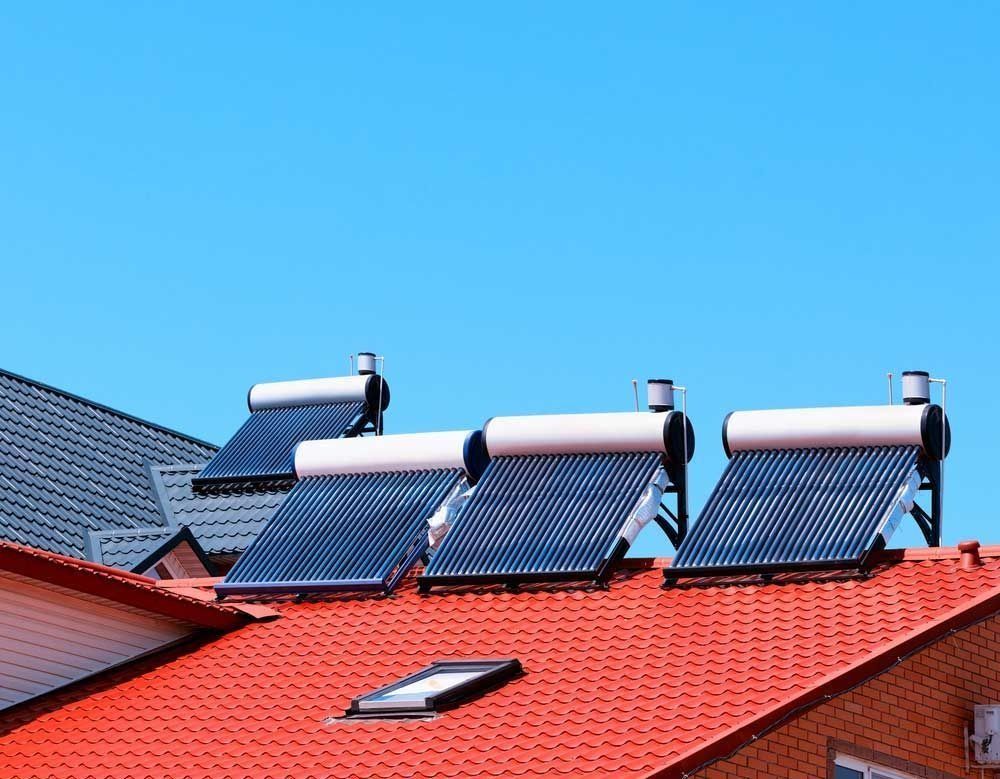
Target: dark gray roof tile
column 224, row 522
column 127, row 548
column 69, row 466
column 139, row 550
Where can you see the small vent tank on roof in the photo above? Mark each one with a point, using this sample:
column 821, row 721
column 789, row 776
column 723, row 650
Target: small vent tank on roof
column 916, row 388
column 660, row 394
column 366, row 363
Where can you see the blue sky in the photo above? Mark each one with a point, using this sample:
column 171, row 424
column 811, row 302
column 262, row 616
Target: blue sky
column 523, row 208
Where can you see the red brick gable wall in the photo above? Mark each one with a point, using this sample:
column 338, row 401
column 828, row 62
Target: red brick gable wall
column 909, row 718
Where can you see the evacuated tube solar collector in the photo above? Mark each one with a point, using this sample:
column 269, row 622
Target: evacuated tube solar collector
column 818, row 488
column 285, row 413
column 357, row 519
column 564, row 496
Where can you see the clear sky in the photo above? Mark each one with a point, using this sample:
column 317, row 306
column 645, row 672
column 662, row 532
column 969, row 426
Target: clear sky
column 522, row 207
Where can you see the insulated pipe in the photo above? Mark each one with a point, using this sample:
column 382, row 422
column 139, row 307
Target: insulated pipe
column 589, row 434
column 311, row 392
column 807, row 428
column 382, row 454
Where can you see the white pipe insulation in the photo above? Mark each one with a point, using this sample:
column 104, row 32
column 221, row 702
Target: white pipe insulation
column 382, row 454
column 806, row 428
column 311, row 392
column 627, row 431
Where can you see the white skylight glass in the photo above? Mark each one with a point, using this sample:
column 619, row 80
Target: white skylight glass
column 428, row 685
column 443, row 683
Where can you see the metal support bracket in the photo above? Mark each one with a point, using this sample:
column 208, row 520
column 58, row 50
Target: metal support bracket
column 930, row 524
column 678, row 486
column 925, row 523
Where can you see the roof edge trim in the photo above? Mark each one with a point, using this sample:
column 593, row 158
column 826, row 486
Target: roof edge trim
column 123, row 587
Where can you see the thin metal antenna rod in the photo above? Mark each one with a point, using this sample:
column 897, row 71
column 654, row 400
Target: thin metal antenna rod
column 635, row 392
column 351, row 358
column 381, row 383
column 684, row 419
column 684, row 435
column 944, row 448
column 889, row 377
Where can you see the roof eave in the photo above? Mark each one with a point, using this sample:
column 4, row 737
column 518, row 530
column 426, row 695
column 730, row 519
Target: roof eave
column 123, row 587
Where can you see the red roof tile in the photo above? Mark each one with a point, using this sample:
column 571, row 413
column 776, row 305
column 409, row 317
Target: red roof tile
column 629, row 681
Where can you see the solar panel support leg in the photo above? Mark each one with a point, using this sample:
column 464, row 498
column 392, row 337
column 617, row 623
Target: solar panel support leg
column 931, row 525
column 678, row 478
column 609, row 565
column 936, row 508
column 925, row 523
column 668, row 530
column 676, row 532
column 418, row 548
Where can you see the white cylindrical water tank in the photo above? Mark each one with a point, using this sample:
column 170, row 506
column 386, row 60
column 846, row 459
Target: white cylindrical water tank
column 660, row 394
column 806, row 428
column 311, row 392
column 404, row 452
column 916, row 388
column 366, row 363
column 628, row 431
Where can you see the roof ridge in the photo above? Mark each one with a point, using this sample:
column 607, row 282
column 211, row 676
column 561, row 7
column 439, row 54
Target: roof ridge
column 124, row 532
column 179, row 467
column 924, row 553
column 103, row 407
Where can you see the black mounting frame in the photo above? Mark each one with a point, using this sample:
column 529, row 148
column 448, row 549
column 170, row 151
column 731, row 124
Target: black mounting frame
column 930, row 524
column 372, row 422
column 675, row 525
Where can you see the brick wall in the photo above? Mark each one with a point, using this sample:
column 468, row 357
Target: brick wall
column 909, row 718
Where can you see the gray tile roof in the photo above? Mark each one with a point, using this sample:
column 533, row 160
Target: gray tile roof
column 136, row 550
column 224, row 522
column 69, row 466
column 126, row 548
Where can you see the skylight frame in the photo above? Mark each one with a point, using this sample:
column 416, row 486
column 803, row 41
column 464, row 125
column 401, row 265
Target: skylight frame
column 489, row 674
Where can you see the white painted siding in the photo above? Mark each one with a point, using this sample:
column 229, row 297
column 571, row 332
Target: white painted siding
column 50, row 637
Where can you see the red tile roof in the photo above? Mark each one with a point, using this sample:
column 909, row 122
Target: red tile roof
column 632, row 681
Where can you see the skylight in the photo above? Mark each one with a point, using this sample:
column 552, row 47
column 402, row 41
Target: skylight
column 442, row 684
